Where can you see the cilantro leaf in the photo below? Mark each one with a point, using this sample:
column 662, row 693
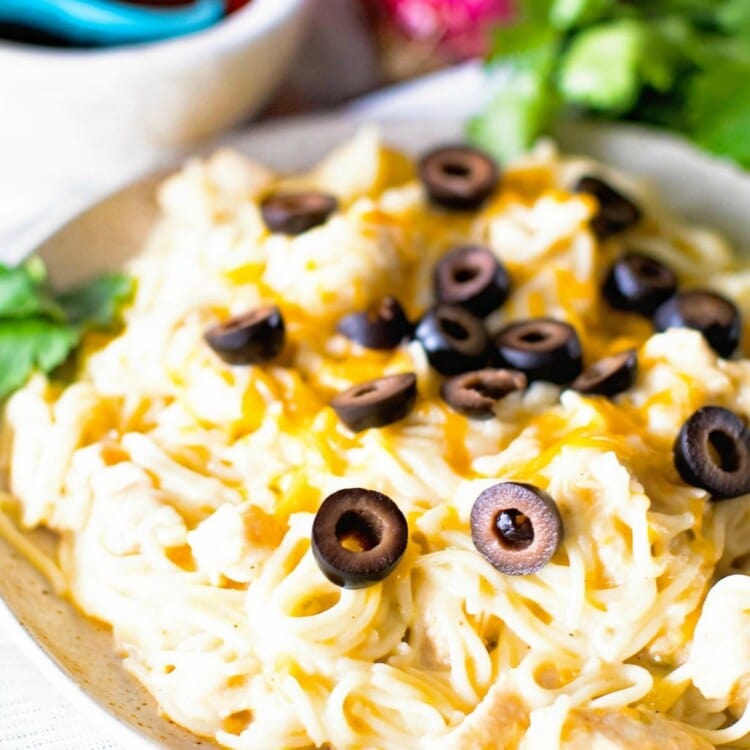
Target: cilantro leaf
column 607, row 66
column 734, row 17
column 526, row 46
column 681, row 64
column 96, row 304
column 520, row 111
column 34, row 342
column 703, row 11
column 718, row 110
column 23, row 292
column 39, row 331
column 525, row 100
column 567, row 14
column 535, row 11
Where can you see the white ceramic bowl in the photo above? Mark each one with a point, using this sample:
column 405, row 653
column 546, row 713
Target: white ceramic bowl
column 75, row 122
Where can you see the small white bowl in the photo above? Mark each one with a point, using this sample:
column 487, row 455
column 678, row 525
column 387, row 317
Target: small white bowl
column 76, row 122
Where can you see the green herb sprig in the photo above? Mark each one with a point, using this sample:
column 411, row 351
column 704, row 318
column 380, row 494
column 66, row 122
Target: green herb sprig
column 39, row 329
column 679, row 64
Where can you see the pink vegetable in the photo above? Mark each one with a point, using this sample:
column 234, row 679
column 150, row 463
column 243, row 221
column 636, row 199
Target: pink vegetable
column 459, row 26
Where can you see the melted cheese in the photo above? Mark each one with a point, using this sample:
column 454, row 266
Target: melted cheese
column 186, row 488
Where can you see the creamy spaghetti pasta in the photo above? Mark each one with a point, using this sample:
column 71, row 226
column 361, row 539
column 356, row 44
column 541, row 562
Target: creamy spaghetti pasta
column 184, row 489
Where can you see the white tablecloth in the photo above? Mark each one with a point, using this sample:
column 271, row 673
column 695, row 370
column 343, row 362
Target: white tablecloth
column 33, row 714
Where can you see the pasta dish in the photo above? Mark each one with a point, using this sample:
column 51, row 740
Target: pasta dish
column 412, row 454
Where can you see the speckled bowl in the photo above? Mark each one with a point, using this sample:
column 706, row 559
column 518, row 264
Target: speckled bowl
column 75, row 653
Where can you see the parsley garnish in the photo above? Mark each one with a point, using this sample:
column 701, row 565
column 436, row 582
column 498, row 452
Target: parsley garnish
column 681, row 64
column 39, row 329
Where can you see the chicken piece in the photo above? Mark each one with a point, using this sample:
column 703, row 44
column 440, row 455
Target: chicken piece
column 720, row 656
column 232, row 542
column 600, row 729
column 360, row 167
column 497, row 723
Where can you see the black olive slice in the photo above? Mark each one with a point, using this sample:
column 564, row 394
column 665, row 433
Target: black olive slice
column 458, row 177
column 453, row 339
column 382, row 327
column 712, row 451
column 637, row 283
column 609, row 376
column 542, row 348
column 376, row 403
column 474, row 394
column 358, row 537
column 249, row 339
column 294, row 213
column 616, row 212
column 714, row 316
column 472, row 277
column 516, row 526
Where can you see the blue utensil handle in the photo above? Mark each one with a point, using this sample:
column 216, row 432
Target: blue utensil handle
column 105, row 22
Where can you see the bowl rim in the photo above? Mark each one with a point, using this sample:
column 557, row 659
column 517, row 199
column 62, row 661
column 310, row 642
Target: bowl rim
column 251, row 21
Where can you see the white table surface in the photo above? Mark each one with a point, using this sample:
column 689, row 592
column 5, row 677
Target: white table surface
column 33, row 714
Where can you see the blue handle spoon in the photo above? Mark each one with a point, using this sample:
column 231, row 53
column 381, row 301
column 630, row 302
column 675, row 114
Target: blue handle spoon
column 108, row 22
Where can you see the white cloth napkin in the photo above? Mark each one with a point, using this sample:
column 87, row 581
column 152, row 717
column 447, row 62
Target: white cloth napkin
column 33, row 714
